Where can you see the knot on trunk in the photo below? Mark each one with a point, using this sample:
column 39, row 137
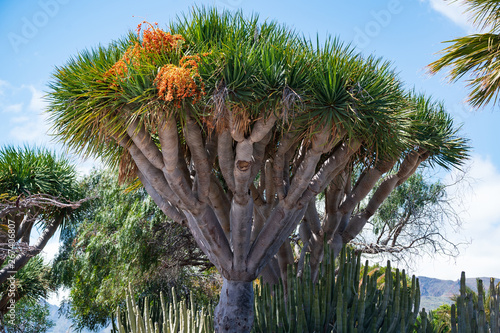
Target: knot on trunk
column 243, row 165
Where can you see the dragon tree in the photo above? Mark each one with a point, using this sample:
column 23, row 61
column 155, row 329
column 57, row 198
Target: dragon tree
column 38, row 189
column 237, row 128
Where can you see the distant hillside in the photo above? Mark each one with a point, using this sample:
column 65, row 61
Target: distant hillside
column 435, row 292
column 471, row 283
column 438, row 288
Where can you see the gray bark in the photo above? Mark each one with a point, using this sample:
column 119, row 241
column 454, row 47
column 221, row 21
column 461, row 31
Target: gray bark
column 211, row 238
column 271, row 273
column 200, row 158
column 241, row 229
column 235, row 312
column 242, row 224
column 226, row 158
column 164, row 205
column 285, row 258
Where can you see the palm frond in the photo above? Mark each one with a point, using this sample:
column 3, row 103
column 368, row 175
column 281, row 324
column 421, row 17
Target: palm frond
column 474, row 58
column 485, row 14
column 433, row 130
column 28, row 171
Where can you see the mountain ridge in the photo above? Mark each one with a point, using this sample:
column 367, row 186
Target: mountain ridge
column 435, row 292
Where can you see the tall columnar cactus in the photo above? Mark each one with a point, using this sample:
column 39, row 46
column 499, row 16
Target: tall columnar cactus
column 338, row 302
column 172, row 317
column 342, row 300
column 469, row 315
column 494, row 303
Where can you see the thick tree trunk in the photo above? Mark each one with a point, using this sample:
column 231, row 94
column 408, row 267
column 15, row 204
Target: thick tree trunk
column 235, row 311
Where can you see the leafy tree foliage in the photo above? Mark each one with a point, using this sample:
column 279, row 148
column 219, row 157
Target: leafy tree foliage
column 32, row 317
column 124, row 240
column 33, row 281
column 412, row 221
column 437, row 321
column 440, row 318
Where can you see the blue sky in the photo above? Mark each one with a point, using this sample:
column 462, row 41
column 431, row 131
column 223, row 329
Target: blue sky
column 37, row 35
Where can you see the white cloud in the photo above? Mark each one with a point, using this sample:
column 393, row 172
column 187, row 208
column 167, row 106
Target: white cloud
column 55, row 298
column 453, row 10
column 51, row 249
column 3, row 84
column 23, row 111
column 13, row 108
column 49, row 253
column 30, row 130
column 37, row 102
column 18, row 120
column 481, row 217
column 85, row 166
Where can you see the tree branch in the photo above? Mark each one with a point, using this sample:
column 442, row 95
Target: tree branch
column 242, row 170
column 22, row 259
column 279, row 164
column 169, row 210
column 365, row 184
column 220, row 204
column 358, row 221
column 172, row 173
column 241, row 229
column 210, row 237
column 330, row 168
column 143, row 141
column 200, row 158
column 226, row 158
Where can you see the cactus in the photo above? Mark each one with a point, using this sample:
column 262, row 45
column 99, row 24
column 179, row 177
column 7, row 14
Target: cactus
column 470, row 314
column 338, row 302
column 341, row 301
column 173, row 316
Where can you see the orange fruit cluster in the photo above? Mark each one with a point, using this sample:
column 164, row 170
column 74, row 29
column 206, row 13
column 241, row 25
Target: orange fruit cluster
column 120, row 68
column 174, row 83
column 154, row 41
column 178, row 82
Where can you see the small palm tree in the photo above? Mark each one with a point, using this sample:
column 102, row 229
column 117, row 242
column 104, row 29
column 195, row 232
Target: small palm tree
column 37, row 189
column 33, row 282
column 475, row 57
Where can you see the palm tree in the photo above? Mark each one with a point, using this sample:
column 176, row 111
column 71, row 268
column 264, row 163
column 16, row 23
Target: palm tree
column 475, row 57
column 37, row 188
column 234, row 127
